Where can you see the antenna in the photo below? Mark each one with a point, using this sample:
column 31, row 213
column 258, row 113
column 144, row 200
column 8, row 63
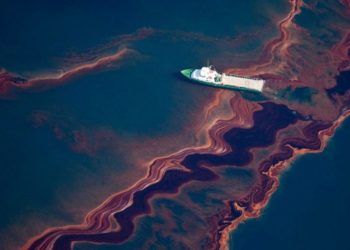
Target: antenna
column 207, row 62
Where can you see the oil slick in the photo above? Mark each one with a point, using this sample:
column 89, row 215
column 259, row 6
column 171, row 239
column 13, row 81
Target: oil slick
column 230, row 173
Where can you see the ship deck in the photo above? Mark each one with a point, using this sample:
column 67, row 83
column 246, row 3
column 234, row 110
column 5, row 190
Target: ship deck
column 241, row 82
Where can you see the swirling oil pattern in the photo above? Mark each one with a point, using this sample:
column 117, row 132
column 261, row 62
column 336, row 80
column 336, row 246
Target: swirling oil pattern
column 107, row 147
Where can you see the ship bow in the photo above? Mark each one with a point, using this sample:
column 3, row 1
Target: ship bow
column 187, row 72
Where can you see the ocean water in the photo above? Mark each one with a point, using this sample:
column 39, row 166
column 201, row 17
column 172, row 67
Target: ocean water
column 143, row 98
column 66, row 148
column 310, row 208
column 35, row 35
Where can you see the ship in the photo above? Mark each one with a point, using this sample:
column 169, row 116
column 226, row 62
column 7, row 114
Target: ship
column 209, row 76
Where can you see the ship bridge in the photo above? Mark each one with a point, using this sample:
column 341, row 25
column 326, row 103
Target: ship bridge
column 206, row 74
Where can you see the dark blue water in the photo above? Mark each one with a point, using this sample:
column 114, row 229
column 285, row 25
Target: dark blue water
column 35, row 35
column 310, row 210
column 143, row 98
